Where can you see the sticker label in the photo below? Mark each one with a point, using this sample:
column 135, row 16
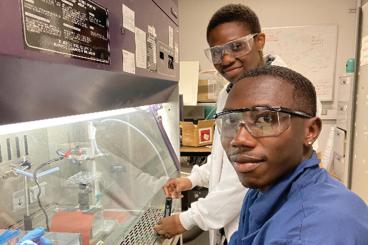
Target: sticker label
column 205, row 135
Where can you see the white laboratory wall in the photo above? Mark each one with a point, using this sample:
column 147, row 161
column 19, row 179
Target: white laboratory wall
column 194, row 17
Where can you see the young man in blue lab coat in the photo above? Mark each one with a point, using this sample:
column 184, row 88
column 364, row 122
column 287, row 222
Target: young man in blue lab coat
column 236, row 42
column 267, row 128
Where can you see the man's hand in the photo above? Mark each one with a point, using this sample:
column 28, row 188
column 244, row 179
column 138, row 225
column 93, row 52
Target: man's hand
column 174, row 187
column 169, row 226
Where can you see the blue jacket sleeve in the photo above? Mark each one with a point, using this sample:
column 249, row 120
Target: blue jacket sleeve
column 234, row 238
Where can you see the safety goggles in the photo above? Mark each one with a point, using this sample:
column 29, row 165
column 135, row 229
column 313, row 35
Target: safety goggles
column 260, row 121
column 237, row 48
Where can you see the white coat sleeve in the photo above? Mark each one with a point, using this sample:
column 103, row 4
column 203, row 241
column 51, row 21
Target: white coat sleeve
column 200, row 175
column 221, row 206
column 223, row 203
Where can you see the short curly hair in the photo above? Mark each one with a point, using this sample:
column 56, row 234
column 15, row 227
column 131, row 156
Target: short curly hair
column 304, row 92
column 235, row 13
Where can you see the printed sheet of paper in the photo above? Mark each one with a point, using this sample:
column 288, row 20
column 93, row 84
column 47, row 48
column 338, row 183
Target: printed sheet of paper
column 140, row 48
column 152, row 30
column 128, row 62
column 364, row 51
column 171, row 37
column 128, row 18
column 176, row 54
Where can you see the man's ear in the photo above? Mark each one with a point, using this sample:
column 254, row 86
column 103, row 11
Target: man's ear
column 260, row 41
column 313, row 127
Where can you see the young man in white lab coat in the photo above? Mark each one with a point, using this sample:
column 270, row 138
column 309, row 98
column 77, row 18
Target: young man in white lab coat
column 236, row 42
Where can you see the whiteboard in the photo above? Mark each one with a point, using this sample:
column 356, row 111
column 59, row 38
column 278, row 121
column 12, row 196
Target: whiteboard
column 309, row 50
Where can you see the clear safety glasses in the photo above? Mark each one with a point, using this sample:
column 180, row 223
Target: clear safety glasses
column 236, row 48
column 260, row 121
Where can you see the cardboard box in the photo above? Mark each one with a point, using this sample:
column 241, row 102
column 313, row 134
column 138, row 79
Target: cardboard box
column 197, row 134
column 207, row 90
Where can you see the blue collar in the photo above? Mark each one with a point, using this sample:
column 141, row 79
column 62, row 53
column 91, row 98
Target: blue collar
column 263, row 205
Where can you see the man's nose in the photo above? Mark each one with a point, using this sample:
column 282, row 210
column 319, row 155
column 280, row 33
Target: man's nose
column 243, row 138
column 227, row 58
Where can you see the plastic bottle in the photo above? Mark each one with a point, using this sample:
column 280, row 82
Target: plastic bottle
column 350, row 65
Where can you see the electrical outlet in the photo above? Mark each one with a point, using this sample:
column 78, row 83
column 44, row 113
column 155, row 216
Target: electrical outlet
column 18, row 200
column 33, row 192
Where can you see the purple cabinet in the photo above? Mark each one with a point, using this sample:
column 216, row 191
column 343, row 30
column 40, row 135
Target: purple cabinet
column 64, row 57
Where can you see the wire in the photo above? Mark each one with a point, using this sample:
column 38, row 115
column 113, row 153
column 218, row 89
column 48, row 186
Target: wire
column 39, row 194
column 35, row 178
